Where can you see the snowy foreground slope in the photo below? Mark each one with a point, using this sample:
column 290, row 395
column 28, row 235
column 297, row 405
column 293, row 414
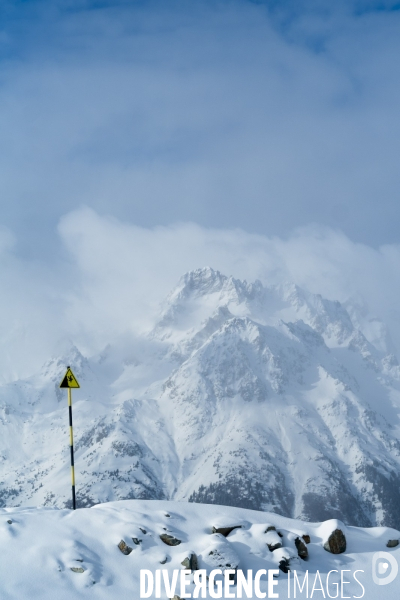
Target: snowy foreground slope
column 40, row 547
column 266, row 398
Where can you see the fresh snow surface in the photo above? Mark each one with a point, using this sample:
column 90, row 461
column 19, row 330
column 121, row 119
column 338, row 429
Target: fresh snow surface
column 41, row 546
column 265, row 397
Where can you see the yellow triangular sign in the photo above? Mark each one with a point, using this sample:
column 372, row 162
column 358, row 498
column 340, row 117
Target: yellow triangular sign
column 69, row 380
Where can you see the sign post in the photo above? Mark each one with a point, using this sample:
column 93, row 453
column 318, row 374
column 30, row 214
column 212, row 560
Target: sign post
column 69, row 381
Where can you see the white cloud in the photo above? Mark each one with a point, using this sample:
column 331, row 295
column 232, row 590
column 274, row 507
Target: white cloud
column 114, row 275
column 124, row 271
column 216, row 113
column 206, row 112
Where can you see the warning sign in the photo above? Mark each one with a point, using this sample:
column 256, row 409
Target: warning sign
column 69, row 380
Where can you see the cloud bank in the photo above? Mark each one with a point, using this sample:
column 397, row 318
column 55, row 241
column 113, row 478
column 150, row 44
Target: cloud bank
column 114, row 275
column 220, row 129
column 261, row 115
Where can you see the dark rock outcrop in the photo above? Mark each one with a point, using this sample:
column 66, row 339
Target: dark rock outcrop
column 284, row 565
column 242, row 489
column 336, row 542
column 170, row 540
column 125, row 549
column 273, row 540
column 78, row 569
column 190, row 562
column 301, row 548
column 225, row 531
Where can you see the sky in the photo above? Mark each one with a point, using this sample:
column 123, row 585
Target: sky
column 142, row 139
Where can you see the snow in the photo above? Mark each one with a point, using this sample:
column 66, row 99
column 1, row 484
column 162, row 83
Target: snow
column 266, row 397
column 41, row 546
column 269, row 398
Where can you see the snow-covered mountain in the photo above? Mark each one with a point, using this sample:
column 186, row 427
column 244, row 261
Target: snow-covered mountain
column 264, row 397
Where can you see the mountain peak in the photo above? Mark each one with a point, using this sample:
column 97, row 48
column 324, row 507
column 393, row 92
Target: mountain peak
column 199, row 281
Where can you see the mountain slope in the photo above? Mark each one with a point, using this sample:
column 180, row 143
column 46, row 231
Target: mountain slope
column 263, row 397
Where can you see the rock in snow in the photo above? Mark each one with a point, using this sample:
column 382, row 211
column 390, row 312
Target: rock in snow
column 336, row 542
column 301, row 548
column 125, row 549
column 225, row 531
column 190, row 562
column 170, row 540
column 273, row 540
column 284, row 565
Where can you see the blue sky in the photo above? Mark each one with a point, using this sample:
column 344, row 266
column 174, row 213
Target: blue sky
column 260, row 115
column 268, row 117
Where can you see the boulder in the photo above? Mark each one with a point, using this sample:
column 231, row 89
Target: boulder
column 301, row 548
column 9, row 522
column 195, row 563
column 306, row 538
column 270, row 528
column 392, row 543
column 143, row 530
column 136, row 541
column 336, row 542
column 186, row 562
column 170, row 540
column 284, row 565
column 77, row 569
column 273, row 540
column 125, row 549
column 225, row 530
column 163, row 561
column 190, row 562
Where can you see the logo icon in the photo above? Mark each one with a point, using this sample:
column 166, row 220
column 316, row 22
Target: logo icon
column 384, row 568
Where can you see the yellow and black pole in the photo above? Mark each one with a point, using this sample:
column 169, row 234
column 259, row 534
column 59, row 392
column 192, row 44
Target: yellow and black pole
column 69, row 381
